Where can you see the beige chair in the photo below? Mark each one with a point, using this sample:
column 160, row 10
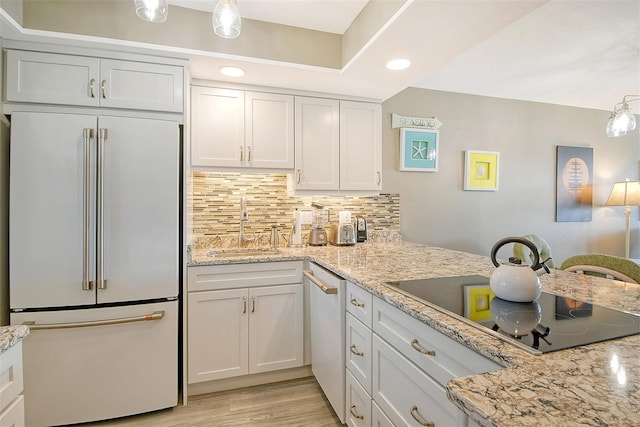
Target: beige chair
column 524, row 253
column 601, row 265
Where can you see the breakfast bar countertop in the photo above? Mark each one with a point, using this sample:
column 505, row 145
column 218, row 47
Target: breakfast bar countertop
column 592, row 385
column 10, row 335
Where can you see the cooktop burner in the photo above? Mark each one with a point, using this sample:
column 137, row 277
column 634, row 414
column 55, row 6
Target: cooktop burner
column 549, row 324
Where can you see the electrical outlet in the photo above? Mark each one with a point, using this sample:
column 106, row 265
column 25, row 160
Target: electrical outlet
column 306, row 217
column 344, row 217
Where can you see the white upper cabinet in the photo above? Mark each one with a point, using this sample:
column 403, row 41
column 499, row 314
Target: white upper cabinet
column 232, row 128
column 317, row 143
column 360, row 146
column 338, row 145
column 51, row 78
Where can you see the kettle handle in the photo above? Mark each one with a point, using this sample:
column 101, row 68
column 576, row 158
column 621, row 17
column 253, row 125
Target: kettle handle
column 506, row 240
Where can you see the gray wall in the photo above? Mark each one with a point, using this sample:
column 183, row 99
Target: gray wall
column 435, row 209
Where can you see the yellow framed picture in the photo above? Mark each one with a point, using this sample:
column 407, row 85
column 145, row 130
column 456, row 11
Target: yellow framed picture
column 481, row 170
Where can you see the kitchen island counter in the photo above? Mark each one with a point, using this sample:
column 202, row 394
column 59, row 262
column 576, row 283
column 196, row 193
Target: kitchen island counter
column 10, row 335
column 596, row 384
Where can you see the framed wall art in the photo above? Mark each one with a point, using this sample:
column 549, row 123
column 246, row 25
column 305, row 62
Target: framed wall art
column 574, row 189
column 481, row 170
column 419, row 150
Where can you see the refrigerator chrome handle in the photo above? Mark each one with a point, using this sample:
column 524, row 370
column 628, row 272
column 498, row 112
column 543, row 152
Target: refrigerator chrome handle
column 156, row 315
column 101, row 283
column 86, row 284
column 329, row 290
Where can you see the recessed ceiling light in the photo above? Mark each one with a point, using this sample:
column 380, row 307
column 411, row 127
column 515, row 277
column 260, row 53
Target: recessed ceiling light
column 398, row 64
column 232, row 71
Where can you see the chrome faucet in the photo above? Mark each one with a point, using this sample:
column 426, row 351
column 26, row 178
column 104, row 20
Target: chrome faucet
column 244, row 216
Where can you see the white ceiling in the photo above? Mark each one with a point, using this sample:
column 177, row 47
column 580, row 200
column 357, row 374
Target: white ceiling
column 583, row 53
column 578, row 53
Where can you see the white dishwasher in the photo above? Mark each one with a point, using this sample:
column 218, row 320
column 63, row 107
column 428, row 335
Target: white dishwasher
column 327, row 302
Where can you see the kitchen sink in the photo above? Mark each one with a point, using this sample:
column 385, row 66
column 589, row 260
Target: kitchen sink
column 242, row 252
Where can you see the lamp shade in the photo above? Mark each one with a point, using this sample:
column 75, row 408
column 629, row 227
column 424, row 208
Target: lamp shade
column 625, row 193
column 152, row 10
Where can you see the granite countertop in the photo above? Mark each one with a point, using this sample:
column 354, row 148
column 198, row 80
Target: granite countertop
column 10, row 335
column 592, row 385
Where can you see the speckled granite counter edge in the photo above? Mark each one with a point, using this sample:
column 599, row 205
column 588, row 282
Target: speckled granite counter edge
column 10, row 335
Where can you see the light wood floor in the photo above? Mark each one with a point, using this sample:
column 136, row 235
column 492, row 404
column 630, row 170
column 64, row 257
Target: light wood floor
column 290, row 403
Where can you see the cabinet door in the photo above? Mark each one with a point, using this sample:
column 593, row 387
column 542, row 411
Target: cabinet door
column 406, row 394
column 141, row 86
column 141, row 202
column 275, row 328
column 358, row 404
column 50, row 78
column 217, row 127
column 317, row 144
column 217, row 323
column 47, row 225
column 360, row 146
column 358, row 351
column 268, row 130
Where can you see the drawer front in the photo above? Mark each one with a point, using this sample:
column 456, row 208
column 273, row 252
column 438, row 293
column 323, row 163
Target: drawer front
column 13, row 415
column 378, row 418
column 359, row 303
column 435, row 353
column 358, row 404
column 11, row 382
column 407, row 395
column 234, row 276
column 358, row 351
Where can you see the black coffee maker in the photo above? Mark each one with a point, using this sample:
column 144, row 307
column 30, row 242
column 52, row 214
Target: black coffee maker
column 361, row 229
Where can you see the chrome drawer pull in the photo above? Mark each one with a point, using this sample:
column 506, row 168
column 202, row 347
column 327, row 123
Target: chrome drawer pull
column 91, row 88
column 355, row 351
column 156, row 315
column 356, row 303
column 416, row 416
column 360, row 417
column 418, row 347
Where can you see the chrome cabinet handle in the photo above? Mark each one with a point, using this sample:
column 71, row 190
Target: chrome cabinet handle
column 329, row 290
column 379, row 178
column 91, row 88
column 102, row 87
column 360, row 417
column 417, row 347
column 244, row 305
column 253, row 304
column 356, row 303
column 87, row 285
column 355, row 351
column 249, row 154
column 299, row 175
column 156, row 315
column 101, row 283
column 416, row 416
column 241, row 153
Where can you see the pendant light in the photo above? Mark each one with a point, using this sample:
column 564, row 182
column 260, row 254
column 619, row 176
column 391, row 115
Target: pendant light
column 622, row 119
column 226, row 19
column 152, row 10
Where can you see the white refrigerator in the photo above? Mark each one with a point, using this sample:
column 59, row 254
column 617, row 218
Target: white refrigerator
column 94, row 236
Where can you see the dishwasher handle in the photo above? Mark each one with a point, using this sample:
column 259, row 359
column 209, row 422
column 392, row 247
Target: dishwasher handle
column 329, row 290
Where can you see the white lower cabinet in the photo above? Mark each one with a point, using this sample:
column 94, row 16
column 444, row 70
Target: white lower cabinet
column 239, row 331
column 11, row 387
column 398, row 367
column 358, row 403
column 406, row 394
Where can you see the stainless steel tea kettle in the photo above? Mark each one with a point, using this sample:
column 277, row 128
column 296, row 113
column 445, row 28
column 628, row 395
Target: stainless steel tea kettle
column 515, row 281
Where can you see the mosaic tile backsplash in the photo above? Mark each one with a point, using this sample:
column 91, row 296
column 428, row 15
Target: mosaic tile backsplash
column 214, row 207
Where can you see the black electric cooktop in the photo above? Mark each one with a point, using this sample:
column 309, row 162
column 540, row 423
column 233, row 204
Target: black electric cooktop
column 549, row 324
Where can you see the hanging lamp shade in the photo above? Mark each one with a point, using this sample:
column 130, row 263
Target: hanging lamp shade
column 152, row 10
column 226, row 19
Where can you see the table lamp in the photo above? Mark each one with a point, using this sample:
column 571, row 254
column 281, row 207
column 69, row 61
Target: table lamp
column 625, row 193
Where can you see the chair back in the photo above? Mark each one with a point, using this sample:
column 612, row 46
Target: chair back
column 602, row 265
